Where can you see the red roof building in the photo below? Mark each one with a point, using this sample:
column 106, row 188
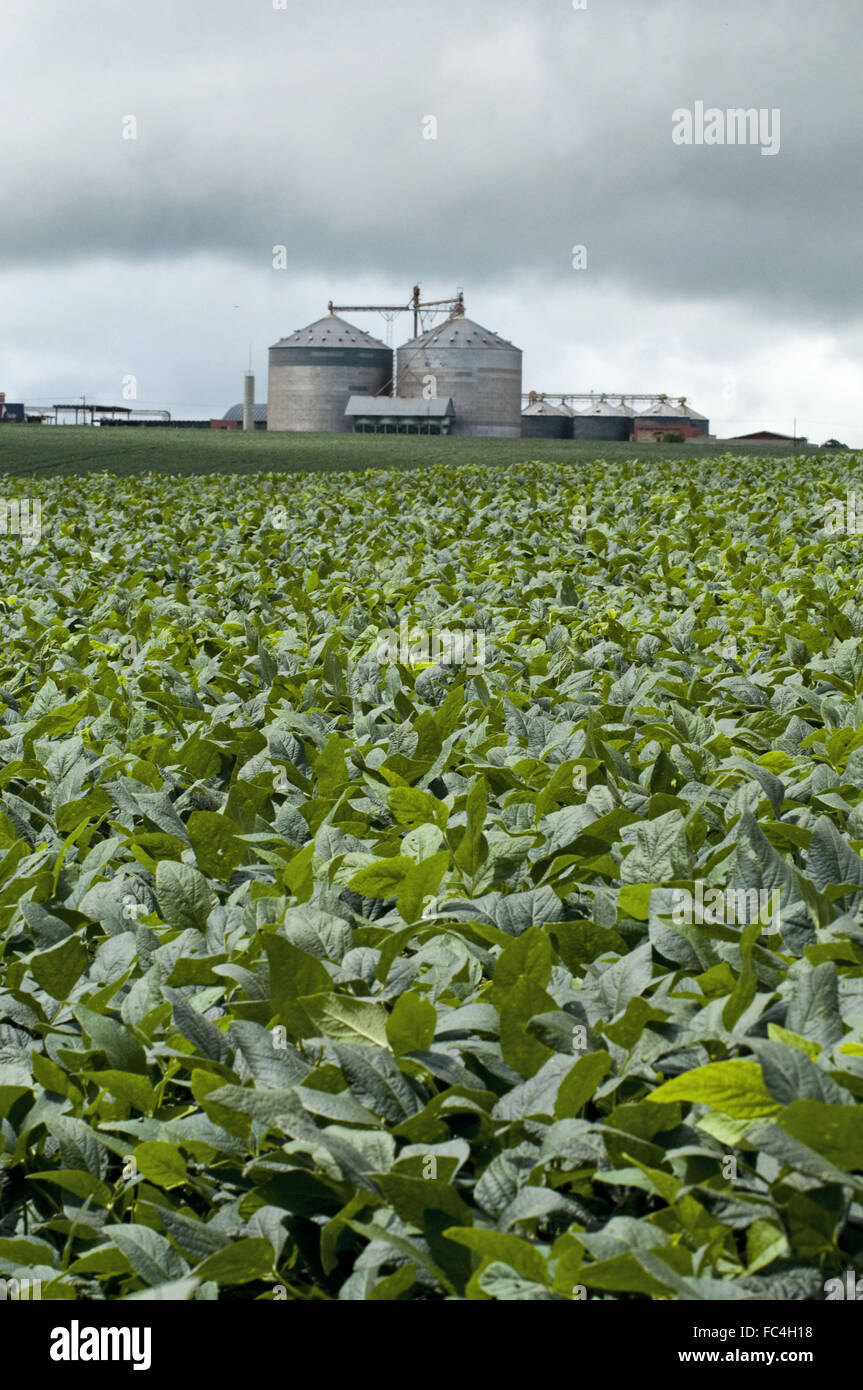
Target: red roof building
column 765, row 437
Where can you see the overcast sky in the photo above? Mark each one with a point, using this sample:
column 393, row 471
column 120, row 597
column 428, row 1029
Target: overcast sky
column 713, row 270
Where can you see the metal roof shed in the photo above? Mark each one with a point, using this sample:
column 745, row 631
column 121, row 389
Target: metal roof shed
column 400, row 414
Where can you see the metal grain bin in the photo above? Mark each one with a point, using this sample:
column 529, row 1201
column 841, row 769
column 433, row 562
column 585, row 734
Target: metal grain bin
column 542, row 420
column 602, row 420
column 479, row 370
column 694, row 417
column 315, row 371
column 667, row 414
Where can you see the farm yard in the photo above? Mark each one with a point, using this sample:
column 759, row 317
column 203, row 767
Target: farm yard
column 435, row 880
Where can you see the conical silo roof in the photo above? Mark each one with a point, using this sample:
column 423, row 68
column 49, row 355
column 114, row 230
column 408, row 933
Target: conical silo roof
column 671, row 409
column 604, row 407
column 459, row 332
column 331, row 331
column 545, row 408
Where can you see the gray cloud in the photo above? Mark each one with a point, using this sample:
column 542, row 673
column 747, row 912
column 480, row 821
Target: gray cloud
column 303, row 127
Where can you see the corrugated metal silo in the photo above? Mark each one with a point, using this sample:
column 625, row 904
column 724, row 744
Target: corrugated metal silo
column 315, row 371
column 602, row 420
column 695, row 418
column 665, row 413
column 478, row 369
column 542, row 420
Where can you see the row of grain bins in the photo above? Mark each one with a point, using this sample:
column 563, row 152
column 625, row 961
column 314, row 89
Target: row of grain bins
column 606, row 419
column 458, row 378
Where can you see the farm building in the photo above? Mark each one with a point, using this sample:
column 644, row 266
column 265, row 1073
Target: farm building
column 400, row 415
column 765, row 437
column 16, row 412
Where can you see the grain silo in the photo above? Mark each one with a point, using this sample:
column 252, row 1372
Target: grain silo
column 542, row 420
column 315, row 371
column 602, row 420
column 694, row 418
column 666, row 416
column 479, row 370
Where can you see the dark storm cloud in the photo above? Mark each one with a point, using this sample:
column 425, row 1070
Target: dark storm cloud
column 302, row 127
column 711, row 270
